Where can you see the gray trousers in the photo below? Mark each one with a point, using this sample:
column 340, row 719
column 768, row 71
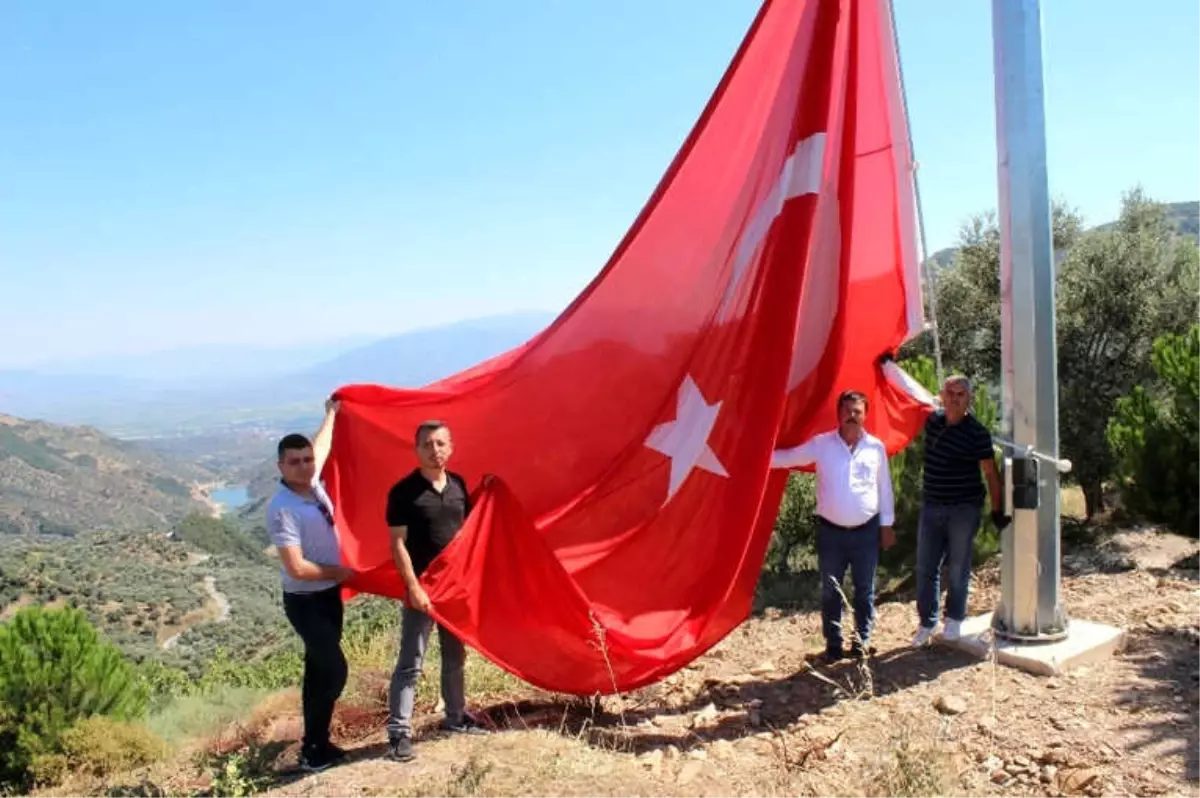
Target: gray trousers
column 414, row 638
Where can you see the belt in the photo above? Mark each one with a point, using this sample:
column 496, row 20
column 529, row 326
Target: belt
column 823, row 520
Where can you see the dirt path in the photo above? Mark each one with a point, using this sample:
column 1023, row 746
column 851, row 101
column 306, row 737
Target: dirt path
column 216, row 610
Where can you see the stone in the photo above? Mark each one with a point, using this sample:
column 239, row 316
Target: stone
column 652, row 760
column 1021, row 761
column 1077, row 780
column 698, row 754
column 993, row 763
column 1048, row 774
column 705, row 716
column 671, row 752
column 669, row 721
column 950, row 705
column 1055, row 756
column 763, row 669
column 987, row 723
column 1000, row 776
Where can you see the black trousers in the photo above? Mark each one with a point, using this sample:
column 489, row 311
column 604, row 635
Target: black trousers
column 317, row 618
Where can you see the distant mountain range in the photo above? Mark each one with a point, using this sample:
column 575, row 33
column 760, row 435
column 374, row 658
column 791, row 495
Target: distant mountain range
column 190, row 391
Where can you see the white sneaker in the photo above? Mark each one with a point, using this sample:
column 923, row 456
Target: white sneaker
column 924, row 636
column 953, row 629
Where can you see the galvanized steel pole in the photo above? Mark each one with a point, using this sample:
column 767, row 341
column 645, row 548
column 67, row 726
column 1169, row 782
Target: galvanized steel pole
column 1030, row 608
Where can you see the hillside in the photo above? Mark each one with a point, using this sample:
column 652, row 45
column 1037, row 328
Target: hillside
column 65, row 480
column 176, row 599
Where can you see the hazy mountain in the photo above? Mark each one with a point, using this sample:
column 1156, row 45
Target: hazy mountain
column 254, row 396
column 65, row 480
column 221, row 363
column 415, row 358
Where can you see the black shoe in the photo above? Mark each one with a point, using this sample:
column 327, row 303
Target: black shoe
column 400, row 749
column 315, row 760
column 830, row 655
column 859, row 651
column 465, row 725
column 334, row 753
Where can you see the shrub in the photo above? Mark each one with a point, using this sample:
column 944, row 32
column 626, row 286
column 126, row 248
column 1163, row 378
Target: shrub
column 1155, row 437
column 55, row 670
column 99, row 747
column 795, row 527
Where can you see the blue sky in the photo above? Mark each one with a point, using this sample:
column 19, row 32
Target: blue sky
column 273, row 172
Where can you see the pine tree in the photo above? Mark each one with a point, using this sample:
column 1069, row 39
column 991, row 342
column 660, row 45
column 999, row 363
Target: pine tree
column 55, row 669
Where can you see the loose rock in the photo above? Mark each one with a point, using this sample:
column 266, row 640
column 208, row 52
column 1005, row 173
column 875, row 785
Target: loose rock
column 763, row 669
column 1048, row 774
column 950, row 705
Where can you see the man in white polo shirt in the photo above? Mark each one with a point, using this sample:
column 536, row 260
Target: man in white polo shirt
column 855, row 511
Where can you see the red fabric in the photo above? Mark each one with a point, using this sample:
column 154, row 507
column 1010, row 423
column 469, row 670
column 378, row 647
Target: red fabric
column 745, row 297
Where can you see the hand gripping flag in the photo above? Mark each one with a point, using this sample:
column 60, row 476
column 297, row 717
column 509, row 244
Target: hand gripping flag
column 632, row 500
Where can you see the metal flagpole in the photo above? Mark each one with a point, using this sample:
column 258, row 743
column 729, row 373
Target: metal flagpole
column 1030, row 608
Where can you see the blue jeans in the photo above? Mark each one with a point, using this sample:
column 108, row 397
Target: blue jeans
column 946, row 534
column 837, row 548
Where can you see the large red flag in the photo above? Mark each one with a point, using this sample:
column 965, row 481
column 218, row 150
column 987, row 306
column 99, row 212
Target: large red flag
column 630, row 442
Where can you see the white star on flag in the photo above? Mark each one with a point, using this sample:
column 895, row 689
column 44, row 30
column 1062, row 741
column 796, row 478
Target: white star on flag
column 685, row 440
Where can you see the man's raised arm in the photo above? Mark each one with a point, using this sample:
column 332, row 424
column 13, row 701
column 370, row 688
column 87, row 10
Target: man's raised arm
column 797, row 456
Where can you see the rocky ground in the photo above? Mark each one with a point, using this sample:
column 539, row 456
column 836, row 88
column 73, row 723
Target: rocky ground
column 755, row 717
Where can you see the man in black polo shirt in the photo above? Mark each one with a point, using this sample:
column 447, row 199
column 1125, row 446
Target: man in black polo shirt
column 425, row 510
column 958, row 451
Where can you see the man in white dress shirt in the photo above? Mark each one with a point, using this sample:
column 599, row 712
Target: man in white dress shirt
column 855, row 511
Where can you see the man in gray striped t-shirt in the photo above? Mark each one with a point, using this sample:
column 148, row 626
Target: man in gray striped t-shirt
column 300, row 523
column 958, row 456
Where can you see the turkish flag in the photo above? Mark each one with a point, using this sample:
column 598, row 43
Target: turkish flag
column 630, row 442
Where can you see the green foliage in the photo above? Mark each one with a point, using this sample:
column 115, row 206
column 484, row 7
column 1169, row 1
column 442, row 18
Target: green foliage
column 216, row 536
column 243, row 773
column 967, row 295
column 1118, row 288
column 795, row 528
column 1118, row 291
column 1155, row 437
column 55, row 670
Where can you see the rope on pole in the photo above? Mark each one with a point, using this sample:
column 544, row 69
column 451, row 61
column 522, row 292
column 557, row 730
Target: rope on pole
column 926, row 269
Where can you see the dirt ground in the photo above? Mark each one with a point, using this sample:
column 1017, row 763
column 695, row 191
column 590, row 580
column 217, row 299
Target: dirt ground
column 753, row 717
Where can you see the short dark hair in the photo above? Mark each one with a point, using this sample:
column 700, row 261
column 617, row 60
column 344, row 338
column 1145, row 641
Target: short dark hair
column 428, row 428
column 851, row 397
column 293, row 442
